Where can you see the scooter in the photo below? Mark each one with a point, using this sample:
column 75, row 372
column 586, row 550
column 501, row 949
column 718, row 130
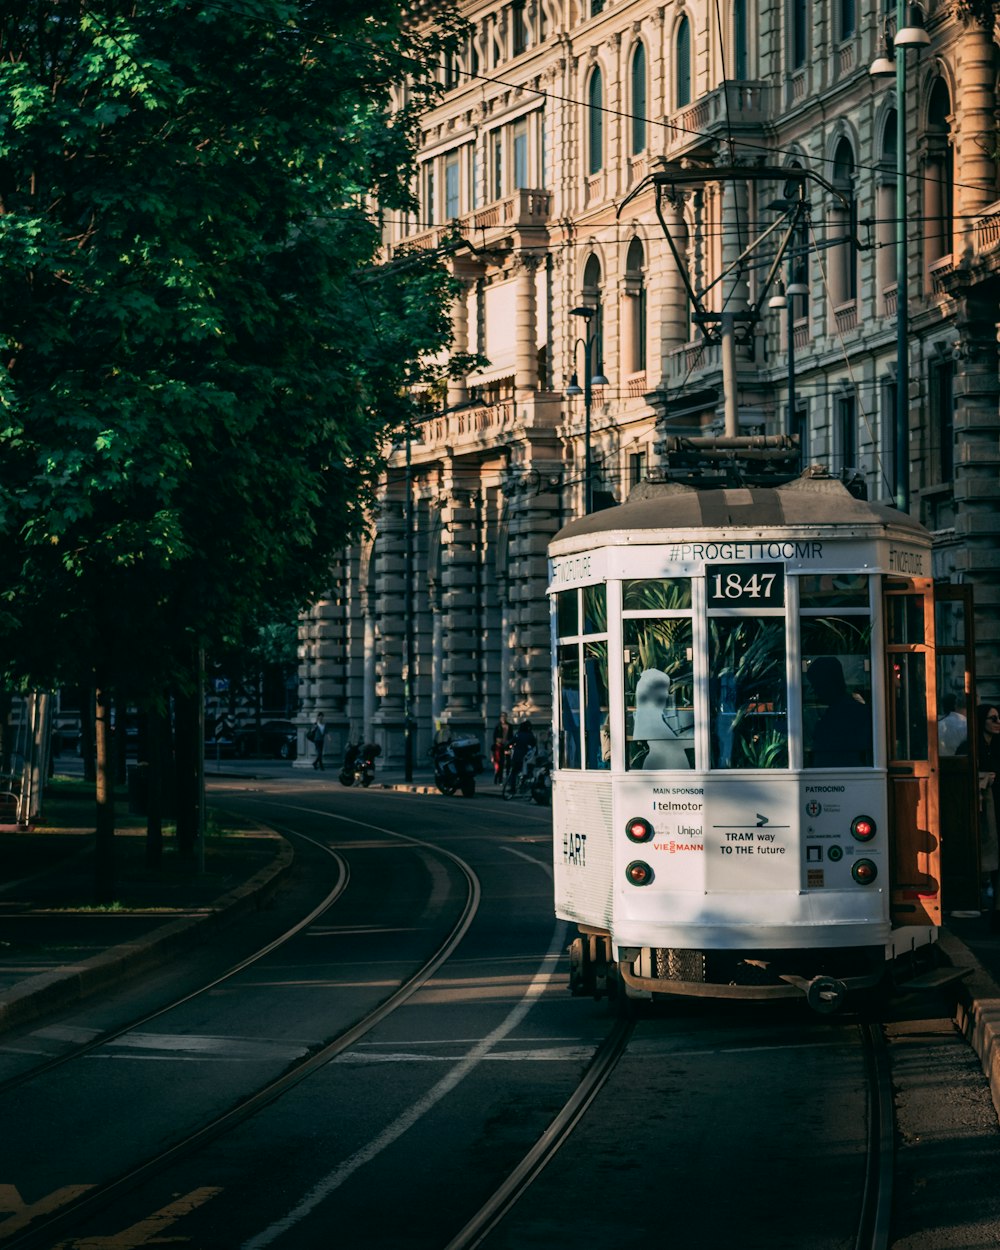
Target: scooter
column 359, row 763
column 456, row 764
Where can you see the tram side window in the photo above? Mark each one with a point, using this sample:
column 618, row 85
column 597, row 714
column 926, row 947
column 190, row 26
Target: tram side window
column 582, row 678
column 747, row 690
column 659, row 693
column 837, row 691
column 569, row 706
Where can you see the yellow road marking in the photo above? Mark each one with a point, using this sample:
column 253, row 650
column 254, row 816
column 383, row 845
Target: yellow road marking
column 22, row 1214
column 147, row 1232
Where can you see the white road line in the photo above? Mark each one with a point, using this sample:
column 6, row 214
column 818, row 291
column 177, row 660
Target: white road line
column 330, row 1183
column 512, row 850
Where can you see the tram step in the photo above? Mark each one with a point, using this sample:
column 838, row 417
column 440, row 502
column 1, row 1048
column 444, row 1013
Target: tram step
column 935, row 978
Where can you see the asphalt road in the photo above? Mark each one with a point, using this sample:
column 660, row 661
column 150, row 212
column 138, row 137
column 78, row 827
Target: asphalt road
column 722, row 1125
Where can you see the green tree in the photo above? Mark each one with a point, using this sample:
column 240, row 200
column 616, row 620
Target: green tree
column 199, row 353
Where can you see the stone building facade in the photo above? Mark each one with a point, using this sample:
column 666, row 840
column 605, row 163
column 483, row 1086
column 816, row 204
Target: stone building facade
column 538, row 182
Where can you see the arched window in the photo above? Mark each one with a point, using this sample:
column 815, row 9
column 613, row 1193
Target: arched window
column 798, row 35
column 741, row 44
column 939, row 174
column 592, row 298
column 683, row 63
column 638, row 100
column 887, row 229
column 595, row 123
column 843, row 222
column 634, row 338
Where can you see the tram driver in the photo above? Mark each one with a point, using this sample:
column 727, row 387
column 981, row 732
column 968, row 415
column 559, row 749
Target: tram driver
column 843, row 734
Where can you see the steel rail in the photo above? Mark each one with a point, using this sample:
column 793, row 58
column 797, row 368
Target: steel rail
column 102, row 1039
column 876, row 1201
column 103, row 1195
column 601, row 1066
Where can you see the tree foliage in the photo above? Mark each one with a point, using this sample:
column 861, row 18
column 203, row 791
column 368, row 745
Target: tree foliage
column 199, row 355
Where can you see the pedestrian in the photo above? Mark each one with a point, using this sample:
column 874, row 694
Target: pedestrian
column 952, row 729
column 524, row 740
column 503, row 737
column 317, row 736
column 988, row 763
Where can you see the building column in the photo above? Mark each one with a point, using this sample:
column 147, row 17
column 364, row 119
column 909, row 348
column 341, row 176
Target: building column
column 977, row 467
column 390, row 562
column 460, row 618
column 526, row 327
column 974, row 108
column 534, row 507
column 458, row 392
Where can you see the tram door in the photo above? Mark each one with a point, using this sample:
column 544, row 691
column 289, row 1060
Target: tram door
column 955, row 643
column 911, row 705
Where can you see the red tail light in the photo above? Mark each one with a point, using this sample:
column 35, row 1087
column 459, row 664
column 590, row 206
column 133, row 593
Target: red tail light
column 639, row 873
column 864, row 871
column 863, row 828
column 639, row 830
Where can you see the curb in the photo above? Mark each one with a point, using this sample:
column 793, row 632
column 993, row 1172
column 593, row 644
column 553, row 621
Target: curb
column 64, row 986
column 977, row 1013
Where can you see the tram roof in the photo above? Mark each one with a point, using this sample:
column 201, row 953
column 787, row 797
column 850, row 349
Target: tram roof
column 810, row 502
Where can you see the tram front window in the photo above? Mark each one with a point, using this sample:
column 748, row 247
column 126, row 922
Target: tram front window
column 659, row 693
column 747, row 689
column 836, row 691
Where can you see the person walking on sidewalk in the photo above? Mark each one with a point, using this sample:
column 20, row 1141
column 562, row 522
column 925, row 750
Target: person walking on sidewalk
column 988, row 752
column 317, row 736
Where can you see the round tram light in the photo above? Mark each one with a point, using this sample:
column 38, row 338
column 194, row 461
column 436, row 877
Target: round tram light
column 864, row 871
column 863, row 828
column 639, row 830
column 639, row 873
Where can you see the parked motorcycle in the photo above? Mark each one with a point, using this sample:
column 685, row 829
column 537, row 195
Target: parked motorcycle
column 359, row 763
column 456, row 764
column 532, row 778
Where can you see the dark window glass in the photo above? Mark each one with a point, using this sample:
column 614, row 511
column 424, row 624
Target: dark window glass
column 904, row 619
column 833, row 590
column 595, row 609
column 639, row 100
column 747, row 693
column 837, row 691
column 683, row 66
column 597, row 729
column 569, row 706
column 740, row 52
column 567, row 613
column 664, row 594
column 595, row 155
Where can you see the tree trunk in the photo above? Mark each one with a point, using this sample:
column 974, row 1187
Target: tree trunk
column 189, row 779
column 155, row 727
column 104, row 859
column 88, row 719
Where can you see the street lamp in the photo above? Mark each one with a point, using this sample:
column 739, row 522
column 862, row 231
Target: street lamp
column 785, row 298
column 590, row 380
column 910, row 33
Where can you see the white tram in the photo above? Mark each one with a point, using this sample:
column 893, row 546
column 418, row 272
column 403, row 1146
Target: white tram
column 744, row 790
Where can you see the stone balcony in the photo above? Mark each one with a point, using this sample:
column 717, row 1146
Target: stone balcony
column 524, row 210
column 741, row 108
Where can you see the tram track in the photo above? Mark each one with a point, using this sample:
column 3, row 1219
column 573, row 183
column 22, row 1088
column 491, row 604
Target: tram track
column 137, row 1022
column 107, row 1193
column 876, row 1203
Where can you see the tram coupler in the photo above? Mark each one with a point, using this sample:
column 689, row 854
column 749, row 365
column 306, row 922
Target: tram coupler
column 824, row 995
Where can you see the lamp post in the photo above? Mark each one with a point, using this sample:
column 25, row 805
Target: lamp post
column 785, row 298
column 590, row 380
column 910, row 33
column 408, row 610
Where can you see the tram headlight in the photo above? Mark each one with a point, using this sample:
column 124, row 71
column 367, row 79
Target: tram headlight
column 639, row 830
column 639, row 873
column 864, row 871
column 863, row 828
